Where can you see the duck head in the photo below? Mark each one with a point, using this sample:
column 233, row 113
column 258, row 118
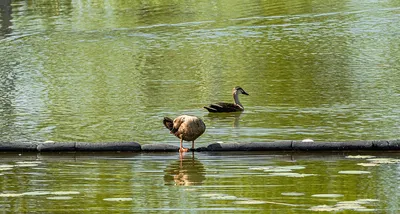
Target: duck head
column 240, row 90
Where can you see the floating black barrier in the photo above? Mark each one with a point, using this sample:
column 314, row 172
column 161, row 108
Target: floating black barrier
column 331, row 146
column 86, row 147
column 386, row 144
column 105, row 147
column 18, row 147
column 257, row 146
column 305, row 145
column 159, row 147
column 56, row 147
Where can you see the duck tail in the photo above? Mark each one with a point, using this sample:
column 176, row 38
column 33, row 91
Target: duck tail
column 168, row 123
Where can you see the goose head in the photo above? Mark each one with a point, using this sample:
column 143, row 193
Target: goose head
column 177, row 123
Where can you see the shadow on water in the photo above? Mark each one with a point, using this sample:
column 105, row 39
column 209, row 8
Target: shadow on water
column 5, row 18
column 186, row 171
column 7, row 75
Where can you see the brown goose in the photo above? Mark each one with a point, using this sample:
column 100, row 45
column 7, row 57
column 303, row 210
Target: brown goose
column 185, row 127
column 229, row 107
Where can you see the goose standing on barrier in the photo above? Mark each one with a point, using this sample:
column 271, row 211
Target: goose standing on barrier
column 185, row 127
column 229, row 107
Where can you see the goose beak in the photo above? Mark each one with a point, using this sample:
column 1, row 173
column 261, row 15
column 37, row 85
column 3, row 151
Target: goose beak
column 245, row 93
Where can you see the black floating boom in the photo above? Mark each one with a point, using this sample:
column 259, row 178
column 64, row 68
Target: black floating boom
column 308, row 145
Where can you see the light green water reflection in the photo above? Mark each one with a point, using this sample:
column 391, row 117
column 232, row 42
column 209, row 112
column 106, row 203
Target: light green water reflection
column 111, row 70
column 218, row 182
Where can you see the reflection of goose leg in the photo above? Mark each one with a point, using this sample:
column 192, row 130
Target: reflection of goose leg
column 181, row 148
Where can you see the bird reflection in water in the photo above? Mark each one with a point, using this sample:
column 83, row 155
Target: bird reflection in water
column 226, row 118
column 186, row 171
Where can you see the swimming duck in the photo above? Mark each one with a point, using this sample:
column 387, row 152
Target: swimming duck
column 185, row 127
column 229, row 107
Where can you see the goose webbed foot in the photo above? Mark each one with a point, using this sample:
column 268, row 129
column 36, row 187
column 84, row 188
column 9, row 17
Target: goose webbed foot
column 183, row 149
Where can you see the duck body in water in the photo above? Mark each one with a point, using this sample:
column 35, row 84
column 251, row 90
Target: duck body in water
column 229, row 107
column 186, row 128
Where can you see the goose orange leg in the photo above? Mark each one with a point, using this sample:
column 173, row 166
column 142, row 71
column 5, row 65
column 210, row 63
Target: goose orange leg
column 181, row 148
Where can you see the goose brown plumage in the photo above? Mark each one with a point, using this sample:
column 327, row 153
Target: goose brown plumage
column 185, row 127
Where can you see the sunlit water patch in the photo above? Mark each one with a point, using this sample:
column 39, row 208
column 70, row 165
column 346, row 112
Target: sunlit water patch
column 60, row 198
column 354, row 172
column 360, row 205
column 384, row 160
column 327, row 195
column 292, row 194
column 118, row 199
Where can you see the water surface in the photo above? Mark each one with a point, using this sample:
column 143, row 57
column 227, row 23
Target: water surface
column 200, row 182
column 99, row 71
column 111, row 70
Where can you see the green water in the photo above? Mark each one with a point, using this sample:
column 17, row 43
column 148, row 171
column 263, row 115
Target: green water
column 98, row 71
column 198, row 183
